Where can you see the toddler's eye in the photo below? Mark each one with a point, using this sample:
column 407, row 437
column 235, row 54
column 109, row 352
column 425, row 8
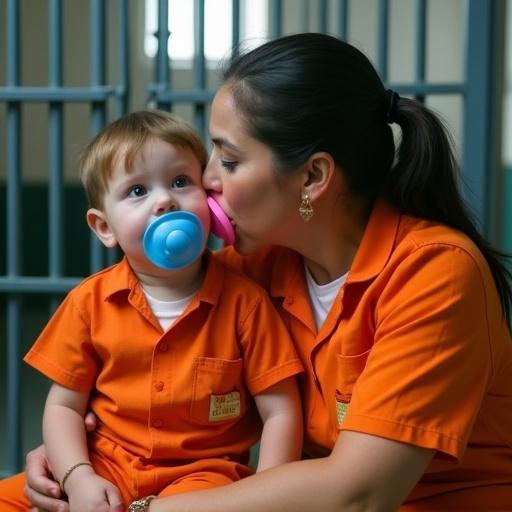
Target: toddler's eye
column 180, row 182
column 137, row 191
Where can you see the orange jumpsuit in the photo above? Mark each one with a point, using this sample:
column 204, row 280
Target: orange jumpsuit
column 175, row 408
column 414, row 349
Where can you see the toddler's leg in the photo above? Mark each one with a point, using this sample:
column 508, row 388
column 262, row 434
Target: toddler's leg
column 196, row 482
column 12, row 498
column 226, row 473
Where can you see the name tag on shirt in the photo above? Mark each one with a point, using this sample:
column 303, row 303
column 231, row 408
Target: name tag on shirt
column 223, row 407
column 342, row 403
column 341, row 411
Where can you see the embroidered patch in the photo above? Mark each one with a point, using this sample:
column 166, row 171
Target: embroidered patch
column 341, row 411
column 223, row 407
column 342, row 403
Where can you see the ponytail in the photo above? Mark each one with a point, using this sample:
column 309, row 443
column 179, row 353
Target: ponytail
column 423, row 184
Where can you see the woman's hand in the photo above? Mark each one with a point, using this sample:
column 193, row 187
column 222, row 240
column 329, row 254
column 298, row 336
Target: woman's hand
column 41, row 490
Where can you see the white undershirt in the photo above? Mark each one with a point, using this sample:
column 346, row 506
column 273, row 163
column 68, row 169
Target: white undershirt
column 322, row 296
column 166, row 312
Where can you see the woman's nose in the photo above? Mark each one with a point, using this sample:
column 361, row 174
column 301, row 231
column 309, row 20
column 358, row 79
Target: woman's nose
column 211, row 178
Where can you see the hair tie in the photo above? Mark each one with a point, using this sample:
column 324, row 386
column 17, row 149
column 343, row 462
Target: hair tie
column 392, row 106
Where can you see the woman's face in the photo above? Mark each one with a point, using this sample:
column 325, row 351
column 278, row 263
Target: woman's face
column 241, row 175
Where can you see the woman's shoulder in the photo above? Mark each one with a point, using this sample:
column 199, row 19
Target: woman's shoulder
column 417, row 233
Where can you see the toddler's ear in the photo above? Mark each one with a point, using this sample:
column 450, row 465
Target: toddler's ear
column 98, row 223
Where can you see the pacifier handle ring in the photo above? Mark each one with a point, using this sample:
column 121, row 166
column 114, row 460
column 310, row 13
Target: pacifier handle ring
column 221, row 225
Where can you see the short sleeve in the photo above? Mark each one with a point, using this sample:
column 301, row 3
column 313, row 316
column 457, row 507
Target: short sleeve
column 63, row 351
column 268, row 351
column 430, row 365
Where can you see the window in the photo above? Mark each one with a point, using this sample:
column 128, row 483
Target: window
column 218, row 23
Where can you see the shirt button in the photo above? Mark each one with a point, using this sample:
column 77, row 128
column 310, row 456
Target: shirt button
column 163, row 347
column 159, row 385
column 158, row 423
column 289, row 301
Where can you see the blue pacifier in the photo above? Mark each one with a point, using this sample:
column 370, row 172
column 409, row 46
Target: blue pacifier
column 174, row 240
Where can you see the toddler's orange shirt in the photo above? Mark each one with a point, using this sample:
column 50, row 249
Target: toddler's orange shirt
column 177, row 395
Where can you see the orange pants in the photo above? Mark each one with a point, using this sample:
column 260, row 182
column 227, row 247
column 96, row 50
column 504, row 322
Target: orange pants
column 135, row 478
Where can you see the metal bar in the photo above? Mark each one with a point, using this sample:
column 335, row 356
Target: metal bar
column 122, row 95
column 23, row 284
column 111, row 256
column 14, row 209
column 162, row 69
column 235, row 26
column 430, row 89
column 342, row 19
column 475, row 158
column 421, row 43
column 421, row 39
column 383, row 39
column 123, row 88
column 56, row 94
column 199, row 65
column 192, row 96
column 206, row 96
column 13, row 358
column 98, row 108
column 305, row 15
column 55, row 141
column 496, row 209
column 322, row 16
column 276, row 18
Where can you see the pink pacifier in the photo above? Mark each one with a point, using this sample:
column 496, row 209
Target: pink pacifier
column 221, row 226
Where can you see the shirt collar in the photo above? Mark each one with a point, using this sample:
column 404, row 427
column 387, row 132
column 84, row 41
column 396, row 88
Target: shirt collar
column 377, row 243
column 121, row 278
column 372, row 255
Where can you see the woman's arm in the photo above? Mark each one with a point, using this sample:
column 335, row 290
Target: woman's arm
column 281, row 412
column 41, row 489
column 363, row 473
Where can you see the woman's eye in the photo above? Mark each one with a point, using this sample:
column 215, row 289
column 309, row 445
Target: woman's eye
column 137, row 191
column 230, row 165
column 180, row 182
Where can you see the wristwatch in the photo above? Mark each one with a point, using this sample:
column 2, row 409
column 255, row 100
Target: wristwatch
column 141, row 505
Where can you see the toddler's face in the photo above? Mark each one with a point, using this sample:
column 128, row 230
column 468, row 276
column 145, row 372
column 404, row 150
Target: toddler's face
column 163, row 178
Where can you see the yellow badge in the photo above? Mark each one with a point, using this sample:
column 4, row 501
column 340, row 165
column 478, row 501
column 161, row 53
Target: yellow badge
column 223, row 407
column 341, row 411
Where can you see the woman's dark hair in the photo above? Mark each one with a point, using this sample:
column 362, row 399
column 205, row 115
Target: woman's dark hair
column 313, row 92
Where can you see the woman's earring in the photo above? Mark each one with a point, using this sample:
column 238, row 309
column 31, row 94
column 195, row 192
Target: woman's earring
column 306, row 208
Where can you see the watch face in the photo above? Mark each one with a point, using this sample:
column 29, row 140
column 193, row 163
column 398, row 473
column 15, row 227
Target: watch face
column 141, row 505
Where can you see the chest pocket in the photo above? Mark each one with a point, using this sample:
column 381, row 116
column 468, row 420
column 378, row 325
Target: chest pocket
column 349, row 368
column 218, row 394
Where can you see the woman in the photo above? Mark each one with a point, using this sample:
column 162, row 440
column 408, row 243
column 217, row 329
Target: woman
column 398, row 307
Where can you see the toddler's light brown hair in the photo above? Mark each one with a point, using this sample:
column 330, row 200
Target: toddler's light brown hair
column 125, row 137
